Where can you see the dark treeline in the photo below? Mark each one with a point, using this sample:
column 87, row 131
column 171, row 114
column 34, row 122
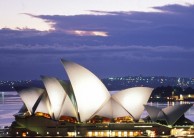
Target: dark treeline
column 166, row 91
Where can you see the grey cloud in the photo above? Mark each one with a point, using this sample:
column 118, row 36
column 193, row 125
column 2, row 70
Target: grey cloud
column 138, row 42
column 128, row 52
column 136, row 28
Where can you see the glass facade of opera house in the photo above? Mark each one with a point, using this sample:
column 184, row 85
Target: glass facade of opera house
column 84, row 107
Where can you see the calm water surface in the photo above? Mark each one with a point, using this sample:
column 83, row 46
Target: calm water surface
column 10, row 103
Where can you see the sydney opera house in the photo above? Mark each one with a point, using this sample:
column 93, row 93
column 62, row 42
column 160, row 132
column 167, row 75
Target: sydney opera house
column 83, row 106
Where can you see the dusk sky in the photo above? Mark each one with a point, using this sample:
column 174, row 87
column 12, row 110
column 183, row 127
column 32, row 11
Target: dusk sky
column 109, row 37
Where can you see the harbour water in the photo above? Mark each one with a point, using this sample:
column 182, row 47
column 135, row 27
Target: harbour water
column 10, row 103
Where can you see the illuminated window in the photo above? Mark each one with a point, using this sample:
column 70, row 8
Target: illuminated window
column 130, row 133
column 57, row 133
column 152, row 134
column 113, row 134
column 47, row 132
column 89, row 134
column 23, row 134
column 96, row 133
column 125, row 133
column 108, row 133
column 119, row 133
column 17, row 133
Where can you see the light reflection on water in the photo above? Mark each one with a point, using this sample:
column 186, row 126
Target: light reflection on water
column 10, row 103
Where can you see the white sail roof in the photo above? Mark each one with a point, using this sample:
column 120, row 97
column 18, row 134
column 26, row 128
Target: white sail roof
column 173, row 113
column 85, row 97
column 133, row 99
column 68, row 109
column 30, row 96
column 56, row 95
column 170, row 114
column 44, row 105
column 106, row 110
column 70, row 95
column 112, row 109
column 90, row 92
column 152, row 111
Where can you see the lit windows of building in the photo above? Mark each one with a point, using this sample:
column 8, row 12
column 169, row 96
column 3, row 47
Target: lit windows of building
column 125, row 133
column 90, row 134
column 96, row 134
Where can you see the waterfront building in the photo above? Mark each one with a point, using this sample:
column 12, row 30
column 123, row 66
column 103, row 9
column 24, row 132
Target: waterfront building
column 84, row 107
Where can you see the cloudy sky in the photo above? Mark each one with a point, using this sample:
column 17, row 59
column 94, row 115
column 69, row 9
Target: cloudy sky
column 109, row 37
